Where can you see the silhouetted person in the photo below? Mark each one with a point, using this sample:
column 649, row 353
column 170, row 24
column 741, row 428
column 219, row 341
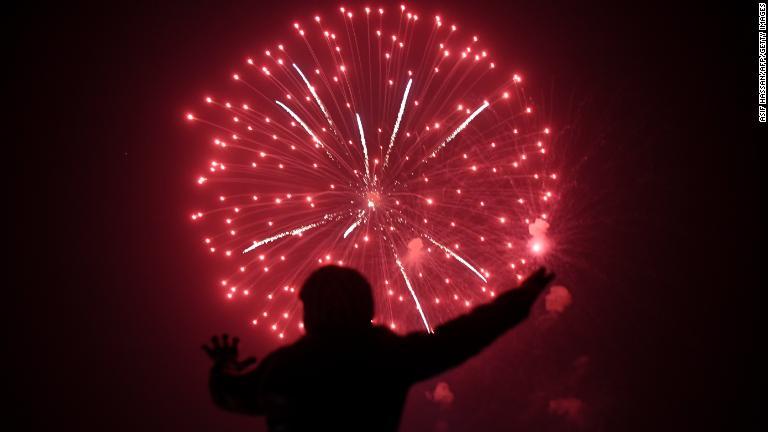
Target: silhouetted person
column 347, row 374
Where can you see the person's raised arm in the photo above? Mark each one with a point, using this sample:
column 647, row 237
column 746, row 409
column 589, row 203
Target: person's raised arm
column 457, row 340
column 232, row 388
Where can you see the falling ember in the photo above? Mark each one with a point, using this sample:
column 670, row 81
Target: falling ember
column 366, row 138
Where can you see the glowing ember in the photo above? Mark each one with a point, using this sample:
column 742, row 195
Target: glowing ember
column 381, row 142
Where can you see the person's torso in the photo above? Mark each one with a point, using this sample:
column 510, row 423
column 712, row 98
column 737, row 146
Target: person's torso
column 349, row 383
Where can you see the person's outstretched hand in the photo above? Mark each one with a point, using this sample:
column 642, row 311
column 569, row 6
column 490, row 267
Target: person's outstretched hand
column 224, row 354
column 530, row 289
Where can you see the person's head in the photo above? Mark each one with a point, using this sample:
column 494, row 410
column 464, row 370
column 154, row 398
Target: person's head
column 336, row 299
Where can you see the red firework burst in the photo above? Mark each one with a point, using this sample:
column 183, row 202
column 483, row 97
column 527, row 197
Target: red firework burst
column 382, row 141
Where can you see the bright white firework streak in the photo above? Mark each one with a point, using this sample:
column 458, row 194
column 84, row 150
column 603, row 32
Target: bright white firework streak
column 304, row 125
column 397, row 122
column 314, row 94
column 354, row 224
column 460, row 259
column 365, row 148
column 413, row 294
column 460, row 128
column 295, row 231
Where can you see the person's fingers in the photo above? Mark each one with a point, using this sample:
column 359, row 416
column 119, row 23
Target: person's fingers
column 541, row 285
column 538, row 274
column 549, row 277
column 225, row 340
column 215, row 342
column 534, row 277
column 544, row 280
column 536, row 282
column 542, row 274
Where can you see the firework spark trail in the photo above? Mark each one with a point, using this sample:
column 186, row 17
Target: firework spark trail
column 459, row 258
column 365, row 149
column 306, row 128
column 301, row 122
column 413, row 293
column 354, row 224
column 397, row 122
column 314, row 94
column 459, row 129
column 295, row 231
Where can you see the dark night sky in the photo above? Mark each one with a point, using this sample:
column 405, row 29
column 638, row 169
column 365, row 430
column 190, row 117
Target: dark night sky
column 114, row 296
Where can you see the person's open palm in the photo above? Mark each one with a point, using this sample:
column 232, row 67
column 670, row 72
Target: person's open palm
column 224, row 353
